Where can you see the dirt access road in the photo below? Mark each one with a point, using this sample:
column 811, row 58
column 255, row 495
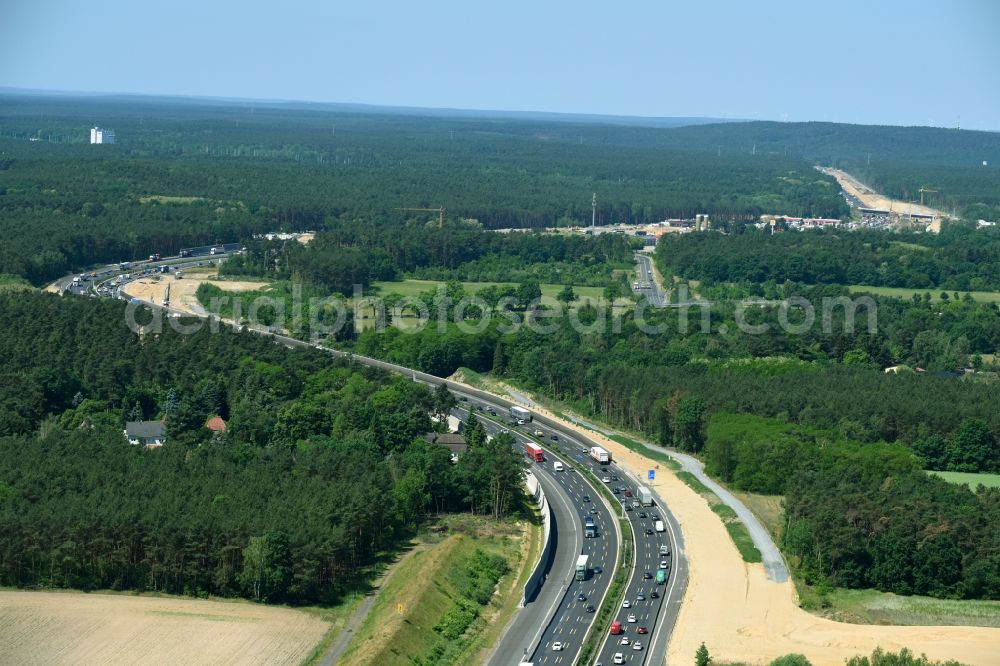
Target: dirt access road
column 872, row 199
column 78, row 628
column 183, row 291
column 742, row 616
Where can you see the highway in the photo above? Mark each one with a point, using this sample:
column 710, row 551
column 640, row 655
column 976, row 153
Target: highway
column 570, row 620
column 102, row 281
column 647, row 285
column 656, row 613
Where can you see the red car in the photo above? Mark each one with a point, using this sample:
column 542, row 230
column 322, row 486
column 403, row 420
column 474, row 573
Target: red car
column 628, row 493
column 642, row 630
column 616, row 628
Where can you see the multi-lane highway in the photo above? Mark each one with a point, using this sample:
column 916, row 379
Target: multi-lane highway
column 102, row 281
column 567, row 619
column 645, row 284
column 655, row 612
column 652, row 607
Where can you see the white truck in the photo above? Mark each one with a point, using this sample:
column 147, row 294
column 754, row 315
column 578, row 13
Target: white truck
column 581, row 567
column 520, row 414
column 645, row 497
column 600, row 454
column 659, row 526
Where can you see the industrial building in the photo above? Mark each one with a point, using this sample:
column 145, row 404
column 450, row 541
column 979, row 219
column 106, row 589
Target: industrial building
column 99, row 135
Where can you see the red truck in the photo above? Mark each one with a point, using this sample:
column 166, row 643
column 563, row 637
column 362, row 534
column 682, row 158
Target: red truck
column 534, row 452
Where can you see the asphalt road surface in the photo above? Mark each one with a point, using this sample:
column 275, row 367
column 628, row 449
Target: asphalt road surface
column 571, row 619
column 565, row 620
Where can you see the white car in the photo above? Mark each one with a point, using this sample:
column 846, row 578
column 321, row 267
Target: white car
column 626, row 604
column 663, row 564
column 619, row 658
column 624, row 641
column 636, row 646
column 557, row 646
column 606, row 479
column 631, row 617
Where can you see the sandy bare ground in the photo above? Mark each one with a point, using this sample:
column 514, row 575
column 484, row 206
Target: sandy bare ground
column 182, row 292
column 875, row 200
column 742, row 616
column 76, row 628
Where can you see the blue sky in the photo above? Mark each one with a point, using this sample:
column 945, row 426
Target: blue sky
column 906, row 62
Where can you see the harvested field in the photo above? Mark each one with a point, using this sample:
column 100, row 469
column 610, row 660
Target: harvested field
column 77, row 628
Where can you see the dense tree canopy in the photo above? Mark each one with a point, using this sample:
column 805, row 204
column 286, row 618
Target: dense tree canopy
column 322, row 466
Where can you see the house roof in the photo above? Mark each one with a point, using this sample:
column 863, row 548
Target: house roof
column 145, row 429
column 452, row 441
column 216, row 423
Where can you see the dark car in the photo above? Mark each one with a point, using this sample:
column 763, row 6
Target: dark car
column 581, row 597
column 597, row 570
column 586, row 498
column 590, row 608
column 615, row 490
column 555, row 437
column 646, row 575
column 614, row 477
column 654, row 595
column 649, row 532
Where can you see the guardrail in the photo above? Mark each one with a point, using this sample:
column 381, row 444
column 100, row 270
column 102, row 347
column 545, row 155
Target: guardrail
column 534, row 583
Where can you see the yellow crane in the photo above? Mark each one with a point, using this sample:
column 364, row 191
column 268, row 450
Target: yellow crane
column 922, row 190
column 439, row 211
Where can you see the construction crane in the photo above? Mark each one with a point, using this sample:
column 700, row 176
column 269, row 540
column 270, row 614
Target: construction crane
column 439, row 211
column 922, row 190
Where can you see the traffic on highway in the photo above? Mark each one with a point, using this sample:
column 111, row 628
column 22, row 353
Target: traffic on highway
column 108, row 280
column 588, row 495
column 645, row 283
column 640, row 627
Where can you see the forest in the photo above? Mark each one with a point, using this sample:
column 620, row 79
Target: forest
column 207, row 513
column 959, row 258
column 962, row 166
column 867, row 516
column 188, row 173
column 358, row 253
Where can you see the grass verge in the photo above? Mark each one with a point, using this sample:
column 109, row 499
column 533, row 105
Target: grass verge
column 907, row 294
column 431, row 608
column 970, row 479
column 885, row 608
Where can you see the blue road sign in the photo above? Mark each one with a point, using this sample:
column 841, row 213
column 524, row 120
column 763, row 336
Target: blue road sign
column 652, row 474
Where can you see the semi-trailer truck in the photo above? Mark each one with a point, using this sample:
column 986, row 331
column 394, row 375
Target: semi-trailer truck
column 600, row 454
column 589, row 529
column 534, row 452
column 520, row 414
column 581, row 567
column 645, row 496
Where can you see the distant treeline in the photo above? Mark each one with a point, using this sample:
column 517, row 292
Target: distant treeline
column 229, row 171
column 357, row 253
column 959, row 258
